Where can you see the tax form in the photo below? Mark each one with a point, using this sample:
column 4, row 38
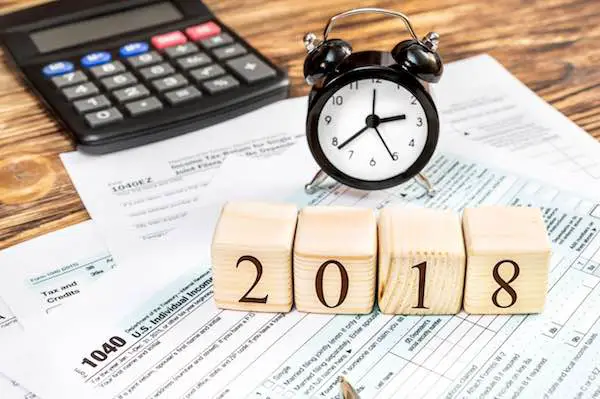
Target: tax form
column 176, row 344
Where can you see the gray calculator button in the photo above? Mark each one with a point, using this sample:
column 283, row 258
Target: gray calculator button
column 231, row 51
column 145, row 59
column 182, row 95
column 170, row 82
column 92, row 103
column 181, row 50
column 220, row 84
column 142, row 106
column 104, row 117
column 117, row 81
column 216, row 41
column 193, row 61
column 81, row 90
column 104, row 70
column 157, row 71
column 207, row 72
column 68, row 79
column 131, row 93
column 250, row 68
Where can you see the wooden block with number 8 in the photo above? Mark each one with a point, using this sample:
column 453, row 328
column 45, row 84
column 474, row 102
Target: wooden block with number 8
column 508, row 255
column 421, row 261
column 252, row 257
column 335, row 255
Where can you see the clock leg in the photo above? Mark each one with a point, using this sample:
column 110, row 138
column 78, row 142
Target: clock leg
column 426, row 184
column 316, row 181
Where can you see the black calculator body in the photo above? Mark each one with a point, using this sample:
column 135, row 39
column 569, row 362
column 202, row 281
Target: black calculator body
column 118, row 74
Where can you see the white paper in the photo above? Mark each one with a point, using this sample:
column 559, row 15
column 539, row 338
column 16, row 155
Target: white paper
column 179, row 345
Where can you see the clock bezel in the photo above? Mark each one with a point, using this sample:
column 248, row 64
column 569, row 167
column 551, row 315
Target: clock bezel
column 400, row 77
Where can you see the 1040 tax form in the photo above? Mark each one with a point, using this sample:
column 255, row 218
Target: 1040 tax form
column 175, row 343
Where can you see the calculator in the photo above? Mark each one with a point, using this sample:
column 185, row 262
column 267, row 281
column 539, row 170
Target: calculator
column 119, row 74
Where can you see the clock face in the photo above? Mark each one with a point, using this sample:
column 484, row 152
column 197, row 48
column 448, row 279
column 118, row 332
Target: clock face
column 372, row 129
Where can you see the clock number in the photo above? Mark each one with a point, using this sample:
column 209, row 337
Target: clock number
column 354, row 85
column 419, row 122
column 334, row 141
column 351, row 153
column 395, row 156
column 411, row 143
column 376, row 80
column 337, row 100
column 328, row 119
column 413, row 100
column 422, row 275
column 259, row 271
column 319, row 283
column 372, row 162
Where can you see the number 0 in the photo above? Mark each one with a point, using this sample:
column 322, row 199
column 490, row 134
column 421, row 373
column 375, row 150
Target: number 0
column 319, row 283
column 259, row 270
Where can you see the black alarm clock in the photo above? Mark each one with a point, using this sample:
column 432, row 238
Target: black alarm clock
column 371, row 123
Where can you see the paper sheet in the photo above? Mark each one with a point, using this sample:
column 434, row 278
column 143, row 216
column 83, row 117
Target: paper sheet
column 175, row 343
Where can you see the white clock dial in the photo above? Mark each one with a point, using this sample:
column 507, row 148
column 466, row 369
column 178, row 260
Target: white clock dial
column 372, row 144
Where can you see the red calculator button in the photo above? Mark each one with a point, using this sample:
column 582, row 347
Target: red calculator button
column 203, row 31
column 168, row 40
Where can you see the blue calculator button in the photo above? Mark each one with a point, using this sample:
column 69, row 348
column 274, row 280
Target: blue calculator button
column 97, row 58
column 133, row 49
column 58, row 68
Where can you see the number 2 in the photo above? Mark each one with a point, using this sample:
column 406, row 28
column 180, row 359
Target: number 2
column 259, row 271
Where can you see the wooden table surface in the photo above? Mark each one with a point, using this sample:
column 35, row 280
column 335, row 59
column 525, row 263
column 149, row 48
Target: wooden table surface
column 551, row 45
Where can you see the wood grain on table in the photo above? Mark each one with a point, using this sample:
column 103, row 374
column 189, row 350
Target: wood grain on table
column 553, row 46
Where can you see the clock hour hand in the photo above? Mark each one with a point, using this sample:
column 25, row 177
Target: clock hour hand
column 393, row 118
column 355, row 135
column 384, row 143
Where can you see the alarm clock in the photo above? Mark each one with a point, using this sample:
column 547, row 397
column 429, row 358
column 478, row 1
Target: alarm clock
column 371, row 122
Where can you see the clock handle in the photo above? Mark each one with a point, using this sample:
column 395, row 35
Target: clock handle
column 315, row 183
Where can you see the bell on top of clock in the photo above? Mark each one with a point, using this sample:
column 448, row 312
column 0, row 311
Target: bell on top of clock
column 371, row 123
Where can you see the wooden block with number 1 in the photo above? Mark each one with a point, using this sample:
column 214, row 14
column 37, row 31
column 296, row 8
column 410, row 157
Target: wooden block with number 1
column 252, row 257
column 421, row 261
column 508, row 256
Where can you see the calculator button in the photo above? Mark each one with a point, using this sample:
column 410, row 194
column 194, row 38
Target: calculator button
column 111, row 68
column 168, row 39
column 251, row 69
column 170, row 82
column 220, row 84
column 207, row 72
column 216, row 41
column 104, row 117
column 182, row 95
column 142, row 106
column 92, row 103
column 58, row 68
column 193, row 61
column 203, row 31
column 181, row 50
column 81, row 90
column 131, row 93
column 96, row 58
column 231, row 51
column 134, row 48
column 157, row 71
column 142, row 60
column 71, row 78
column 114, row 82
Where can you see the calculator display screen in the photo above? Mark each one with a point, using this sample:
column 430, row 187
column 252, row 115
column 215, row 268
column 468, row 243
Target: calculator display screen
column 88, row 30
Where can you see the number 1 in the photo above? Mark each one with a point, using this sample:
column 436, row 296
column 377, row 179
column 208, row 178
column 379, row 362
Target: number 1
column 422, row 274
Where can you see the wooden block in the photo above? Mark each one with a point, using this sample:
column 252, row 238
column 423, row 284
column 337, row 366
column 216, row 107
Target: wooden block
column 508, row 255
column 421, row 261
column 334, row 260
column 252, row 257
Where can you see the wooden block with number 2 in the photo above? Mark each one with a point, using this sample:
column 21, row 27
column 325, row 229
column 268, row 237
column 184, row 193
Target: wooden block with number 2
column 421, row 261
column 252, row 257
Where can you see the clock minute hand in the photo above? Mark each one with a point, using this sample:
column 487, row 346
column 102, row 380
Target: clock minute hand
column 384, row 143
column 393, row 118
column 355, row 135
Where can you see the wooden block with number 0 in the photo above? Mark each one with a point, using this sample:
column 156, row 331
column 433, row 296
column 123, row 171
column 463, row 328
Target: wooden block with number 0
column 508, row 255
column 252, row 257
column 421, row 261
column 335, row 255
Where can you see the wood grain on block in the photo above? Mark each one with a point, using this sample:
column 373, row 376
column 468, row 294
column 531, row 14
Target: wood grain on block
column 421, row 261
column 252, row 256
column 335, row 255
column 508, row 255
